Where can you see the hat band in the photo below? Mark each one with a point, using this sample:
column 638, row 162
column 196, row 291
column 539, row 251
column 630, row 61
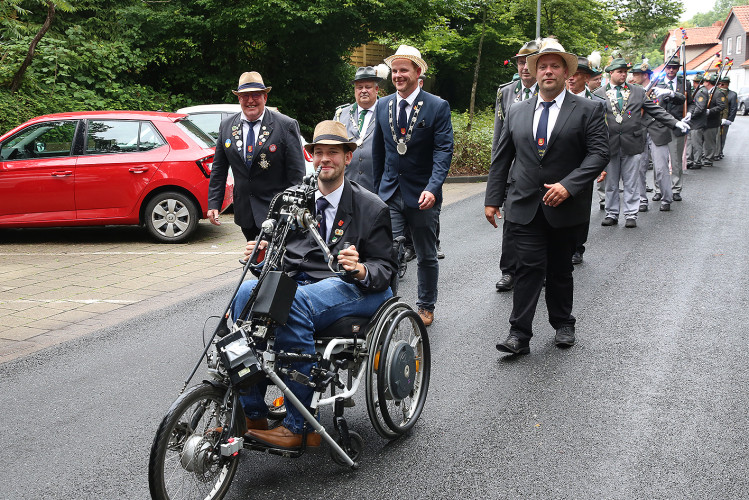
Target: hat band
column 251, row 85
column 330, row 137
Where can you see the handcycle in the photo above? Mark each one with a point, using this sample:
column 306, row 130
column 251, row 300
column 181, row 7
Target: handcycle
column 195, row 452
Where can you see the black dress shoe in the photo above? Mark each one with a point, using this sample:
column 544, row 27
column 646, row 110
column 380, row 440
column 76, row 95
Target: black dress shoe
column 505, row 283
column 577, row 258
column 677, row 197
column 609, row 221
column 648, row 188
column 643, row 207
column 409, row 255
column 565, row 336
column 602, row 205
column 657, row 197
column 440, row 253
column 630, row 223
column 514, row 345
column 665, row 207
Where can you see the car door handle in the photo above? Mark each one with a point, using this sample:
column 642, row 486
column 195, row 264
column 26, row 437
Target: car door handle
column 139, row 170
column 62, row 173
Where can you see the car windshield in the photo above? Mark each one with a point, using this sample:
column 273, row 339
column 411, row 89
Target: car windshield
column 196, row 133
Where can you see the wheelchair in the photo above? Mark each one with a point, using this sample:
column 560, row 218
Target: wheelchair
column 195, row 452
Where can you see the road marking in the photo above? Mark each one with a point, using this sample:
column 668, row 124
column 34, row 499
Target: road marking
column 44, row 254
column 64, row 301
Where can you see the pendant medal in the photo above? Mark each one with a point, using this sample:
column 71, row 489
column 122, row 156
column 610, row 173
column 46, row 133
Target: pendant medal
column 618, row 118
column 401, row 148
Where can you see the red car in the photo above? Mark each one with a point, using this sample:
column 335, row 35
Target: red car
column 107, row 167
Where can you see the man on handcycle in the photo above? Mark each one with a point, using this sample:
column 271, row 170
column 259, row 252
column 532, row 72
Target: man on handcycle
column 355, row 224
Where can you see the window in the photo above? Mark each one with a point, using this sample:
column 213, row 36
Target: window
column 728, row 46
column 121, row 136
column 738, row 44
column 43, row 140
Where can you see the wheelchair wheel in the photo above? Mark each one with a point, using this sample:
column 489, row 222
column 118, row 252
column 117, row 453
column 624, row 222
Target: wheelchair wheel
column 185, row 461
column 398, row 371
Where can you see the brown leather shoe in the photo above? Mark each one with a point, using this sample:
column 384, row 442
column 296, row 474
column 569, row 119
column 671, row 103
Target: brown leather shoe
column 427, row 317
column 281, row 437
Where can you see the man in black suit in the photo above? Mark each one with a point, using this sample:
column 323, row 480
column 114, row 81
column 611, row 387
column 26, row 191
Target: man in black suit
column 263, row 149
column 559, row 145
column 411, row 153
column 349, row 213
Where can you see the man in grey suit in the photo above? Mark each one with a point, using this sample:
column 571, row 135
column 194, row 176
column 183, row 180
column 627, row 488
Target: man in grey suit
column 264, row 151
column 509, row 93
column 674, row 103
column 625, row 107
column 359, row 119
column 557, row 145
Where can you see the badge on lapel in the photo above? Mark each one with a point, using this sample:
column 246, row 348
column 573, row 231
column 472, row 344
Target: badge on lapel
column 338, row 232
column 272, row 148
column 264, row 163
column 227, row 144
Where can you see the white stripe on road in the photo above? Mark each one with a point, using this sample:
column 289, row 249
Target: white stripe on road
column 45, row 254
column 58, row 301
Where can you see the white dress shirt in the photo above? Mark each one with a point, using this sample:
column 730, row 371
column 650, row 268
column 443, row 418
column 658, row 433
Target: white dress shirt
column 334, row 199
column 246, row 128
column 367, row 117
column 410, row 100
column 553, row 114
column 532, row 90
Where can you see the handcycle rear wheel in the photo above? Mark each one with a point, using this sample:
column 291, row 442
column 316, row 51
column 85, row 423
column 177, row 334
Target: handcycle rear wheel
column 185, row 460
column 393, row 412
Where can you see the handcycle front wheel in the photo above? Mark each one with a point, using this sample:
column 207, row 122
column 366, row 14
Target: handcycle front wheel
column 185, row 460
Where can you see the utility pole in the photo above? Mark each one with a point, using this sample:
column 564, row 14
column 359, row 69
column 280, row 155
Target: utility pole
column 538, row 18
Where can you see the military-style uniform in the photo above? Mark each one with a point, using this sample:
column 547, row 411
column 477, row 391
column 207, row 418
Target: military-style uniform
column 360, row 168
column 626, row 141
column 732, row 106
column 706, row 117
column 675, row 106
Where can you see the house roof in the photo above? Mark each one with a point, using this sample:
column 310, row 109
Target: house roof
column 741, row 12
column 696, row 36
column 705, row 58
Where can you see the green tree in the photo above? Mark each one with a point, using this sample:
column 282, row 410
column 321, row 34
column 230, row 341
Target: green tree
column 719, row 12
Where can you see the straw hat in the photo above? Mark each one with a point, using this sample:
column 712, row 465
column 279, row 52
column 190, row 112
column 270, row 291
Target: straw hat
column 330, row 132
column 550, row 46
column 410, row 53
column 251, row 81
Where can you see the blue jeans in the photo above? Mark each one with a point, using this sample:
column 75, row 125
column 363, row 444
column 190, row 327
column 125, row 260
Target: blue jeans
column 423, row 224
column 315, row 306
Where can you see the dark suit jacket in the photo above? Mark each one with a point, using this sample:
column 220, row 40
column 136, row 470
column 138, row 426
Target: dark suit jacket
column 254, row 188
column 628, row 137
column 364, row 220
column 674, row 105
column 424, row 166
column 360, row 168
column 576, row 154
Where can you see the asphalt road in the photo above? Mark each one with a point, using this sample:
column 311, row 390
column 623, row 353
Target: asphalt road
column 651, row 402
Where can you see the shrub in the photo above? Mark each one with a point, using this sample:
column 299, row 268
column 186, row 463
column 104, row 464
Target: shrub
column 472, row 150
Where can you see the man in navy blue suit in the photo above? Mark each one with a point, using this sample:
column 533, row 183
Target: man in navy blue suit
column 411, row 154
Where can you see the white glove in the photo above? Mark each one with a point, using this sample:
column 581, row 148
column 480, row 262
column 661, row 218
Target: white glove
column 662, row 92
column 682, row 126
column 687, row 118
column 725, row 122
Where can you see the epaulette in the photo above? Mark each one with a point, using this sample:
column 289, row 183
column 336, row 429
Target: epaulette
column 339, row 110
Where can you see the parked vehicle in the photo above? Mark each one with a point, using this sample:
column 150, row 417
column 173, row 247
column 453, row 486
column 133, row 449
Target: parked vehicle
column 743, row 98
column 209, row 116
column 107, row 167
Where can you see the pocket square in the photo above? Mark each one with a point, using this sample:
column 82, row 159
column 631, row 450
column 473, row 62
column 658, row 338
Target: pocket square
column 421, row 124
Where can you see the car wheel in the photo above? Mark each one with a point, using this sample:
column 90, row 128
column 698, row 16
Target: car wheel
column 742, row 109
column 171, row 217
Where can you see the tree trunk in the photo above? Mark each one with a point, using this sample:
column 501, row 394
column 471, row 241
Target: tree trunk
column 18, row 78
column 476, row 73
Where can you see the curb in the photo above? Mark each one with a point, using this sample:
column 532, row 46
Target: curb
column 466, row 178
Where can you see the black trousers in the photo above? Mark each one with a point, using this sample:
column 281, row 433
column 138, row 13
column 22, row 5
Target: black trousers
column 507, row 259
column 542, row 252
